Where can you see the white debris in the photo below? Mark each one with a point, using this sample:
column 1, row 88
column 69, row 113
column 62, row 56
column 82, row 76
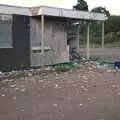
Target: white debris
column 14, row 98
column 80, row 104
column 89, row 99
column 113, row 86
column 109, row 71
column 85, row 89
column 118, row 93
column 23, row 90
column 29, row 74
column 55, row 105
column 22, row 110
column 13, row 86
column 3, row 95
column 16, row 88
column 85, row 77
column 56, row 86
column 40, row 81
column 47, row 69
column 82, row 86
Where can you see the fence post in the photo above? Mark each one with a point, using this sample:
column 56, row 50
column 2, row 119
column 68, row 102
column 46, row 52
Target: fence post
column 103, row 34
column 78, row 36
column 88, row 40
column 42, row 33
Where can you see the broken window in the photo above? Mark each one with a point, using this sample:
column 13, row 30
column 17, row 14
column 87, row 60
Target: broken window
column 5, row 31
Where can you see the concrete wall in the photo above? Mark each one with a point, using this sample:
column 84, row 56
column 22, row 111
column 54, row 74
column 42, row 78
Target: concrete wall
column 55, row 38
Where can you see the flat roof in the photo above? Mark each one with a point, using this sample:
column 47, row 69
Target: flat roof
column 51, row 11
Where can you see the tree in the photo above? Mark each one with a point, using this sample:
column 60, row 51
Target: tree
column 112, row 24
column 81, row 5
column 101, row 10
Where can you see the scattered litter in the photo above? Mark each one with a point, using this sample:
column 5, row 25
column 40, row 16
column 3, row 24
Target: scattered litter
column 23, row 90
column 16, row 88
column 47, row 69
column 89, row 99
column 3, row 95
column 118, row 93
column 82, row 86
column 30, row 74
column 40, row 81
column 117, row 64
column 56, row 86
column 13, row 86
column 22, row 110
column 80, row 104
column 109, row 71
column 55, row 105
column 14, row 98
column 85, row 89
column 113, row 86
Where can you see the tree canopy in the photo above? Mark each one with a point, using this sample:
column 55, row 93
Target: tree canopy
column 101, row 10
column 81, row 5
column 112, row 24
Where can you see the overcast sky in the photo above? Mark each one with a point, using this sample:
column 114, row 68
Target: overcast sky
column 112, row 5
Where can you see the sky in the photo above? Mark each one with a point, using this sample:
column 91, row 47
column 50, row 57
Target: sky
column 112, row 5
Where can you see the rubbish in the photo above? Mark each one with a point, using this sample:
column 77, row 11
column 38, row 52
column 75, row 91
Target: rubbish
column 56, row 86
column 14, row 98
column 55, row 105
column 3, row 95
column 113, row 86
column 40, row 81
column 85, row 89
column 22, row 110
column 118, row 94
column 89, row 99
column 85, row 77
column 13, row 86
column 23, row 90
column 80, row 104
column 16, row 88
column 117, row 64
column 82, row 86
column 64, row 67
column 109, row 71
column 74, row 54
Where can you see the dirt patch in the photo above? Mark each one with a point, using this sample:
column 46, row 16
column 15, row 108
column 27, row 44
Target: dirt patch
column 85, row 93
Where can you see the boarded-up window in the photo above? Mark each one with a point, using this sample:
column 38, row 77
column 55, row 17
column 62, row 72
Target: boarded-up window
column 5, row 31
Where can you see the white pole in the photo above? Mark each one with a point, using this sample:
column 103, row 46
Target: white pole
column 88, row 41
column 78, row 36
column 42, row 33
column 103, row 34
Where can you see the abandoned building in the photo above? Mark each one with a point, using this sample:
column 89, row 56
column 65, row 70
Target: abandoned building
column 38, row 36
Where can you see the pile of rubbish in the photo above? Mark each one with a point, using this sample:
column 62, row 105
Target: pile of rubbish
column 96, row 62
column 101, row 63
column 64, row 67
